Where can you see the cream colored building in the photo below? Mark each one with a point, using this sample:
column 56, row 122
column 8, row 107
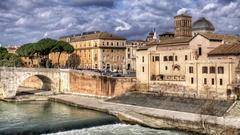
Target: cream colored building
column 205, row 65
column 131, row 49
column 98, row 50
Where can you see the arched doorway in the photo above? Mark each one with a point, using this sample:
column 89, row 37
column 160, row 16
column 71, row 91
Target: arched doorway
column 34, row 85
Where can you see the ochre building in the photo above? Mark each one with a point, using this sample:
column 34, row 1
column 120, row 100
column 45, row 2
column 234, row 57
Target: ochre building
column 96, row 50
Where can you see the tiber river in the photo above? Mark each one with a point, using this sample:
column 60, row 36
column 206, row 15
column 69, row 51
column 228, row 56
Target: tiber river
column 32, row 118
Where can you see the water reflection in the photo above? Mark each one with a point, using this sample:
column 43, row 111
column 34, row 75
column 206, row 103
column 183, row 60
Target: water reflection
column 47, row 117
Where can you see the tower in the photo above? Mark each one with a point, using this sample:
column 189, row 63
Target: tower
column 183, row 26
column 152, row 36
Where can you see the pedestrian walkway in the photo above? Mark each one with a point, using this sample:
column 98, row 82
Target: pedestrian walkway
column 144, row 115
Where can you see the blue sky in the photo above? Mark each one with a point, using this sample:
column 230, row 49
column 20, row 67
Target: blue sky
column 23, row 21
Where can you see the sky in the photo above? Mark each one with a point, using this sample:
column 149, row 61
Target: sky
column 24, row 21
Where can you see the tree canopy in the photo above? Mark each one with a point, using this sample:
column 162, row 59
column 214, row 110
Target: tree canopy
column 43, row 48
column 62, row 46
column 3, row 50
column 9, row 59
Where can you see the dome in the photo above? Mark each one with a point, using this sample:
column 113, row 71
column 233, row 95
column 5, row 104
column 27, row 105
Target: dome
column 203, row 24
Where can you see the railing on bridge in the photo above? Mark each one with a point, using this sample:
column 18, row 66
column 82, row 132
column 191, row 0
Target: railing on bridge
column 19, row 69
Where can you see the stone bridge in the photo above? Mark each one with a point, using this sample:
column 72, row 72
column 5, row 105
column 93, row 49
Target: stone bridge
column 64, row 81
column 56, row 80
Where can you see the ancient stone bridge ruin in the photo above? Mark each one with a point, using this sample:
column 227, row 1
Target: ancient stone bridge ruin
column 64, row 81
column 56, row 80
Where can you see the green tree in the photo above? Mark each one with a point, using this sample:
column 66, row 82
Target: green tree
column 3, row 50
column 10, row 60
column 61, row 47
column 45, row 46
column 27, row 50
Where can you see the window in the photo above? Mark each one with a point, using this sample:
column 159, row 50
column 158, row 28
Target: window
column 129, row 56
column 190, row 69
column 205, row 81
column 103, row 50
column 128, row 66
column 176, row 58
column 103, row 43
column 199, row 51
column 186, row 58
column 204, row 70
column 111, row 50
column 128, row 49
column 153, row 59
column 157, row 58
column 142, row 58
column 192, row 80
column 213, row 81
column 142, row 69
column 165, row 58
column 221, row 70
column 212, row 70
column 111, row 43
column 117, row 43
column 170, row 58
column 166, row 68
column 220, row 81
column 107, row 43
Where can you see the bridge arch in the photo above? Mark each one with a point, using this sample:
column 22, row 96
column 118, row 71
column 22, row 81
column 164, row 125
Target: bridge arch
column 44, row 82
column 56, row 80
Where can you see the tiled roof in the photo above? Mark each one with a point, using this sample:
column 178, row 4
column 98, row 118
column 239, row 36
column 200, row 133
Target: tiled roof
column 213, row 36
column 167, row 33
column 148, row 45
column 175, row 40
column 136, row 40
column 97, row 35
column 233, row 49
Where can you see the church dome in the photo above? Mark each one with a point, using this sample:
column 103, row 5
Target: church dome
column 203, row 24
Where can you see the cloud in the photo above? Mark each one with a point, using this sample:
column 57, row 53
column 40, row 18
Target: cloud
column 23, row 21
column 210, row 6
column 124, row 26
column 183, row 11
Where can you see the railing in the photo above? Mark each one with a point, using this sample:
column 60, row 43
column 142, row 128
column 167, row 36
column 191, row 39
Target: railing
column 168, row 78
column 32, row 69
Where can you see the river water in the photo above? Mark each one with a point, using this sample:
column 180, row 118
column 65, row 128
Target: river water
column 49, row 117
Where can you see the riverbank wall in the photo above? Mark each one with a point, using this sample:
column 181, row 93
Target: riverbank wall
column 100, row 85
column 90, row 83
column 157, row 118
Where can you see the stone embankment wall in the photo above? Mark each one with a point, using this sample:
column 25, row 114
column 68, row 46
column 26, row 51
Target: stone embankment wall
column 100, row 85
column 158, row 118
column 182, row 91
column 91, row 84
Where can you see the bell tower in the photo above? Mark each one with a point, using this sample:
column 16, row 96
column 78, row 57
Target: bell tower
column 183, row 26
